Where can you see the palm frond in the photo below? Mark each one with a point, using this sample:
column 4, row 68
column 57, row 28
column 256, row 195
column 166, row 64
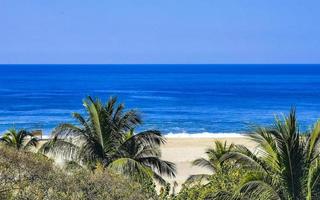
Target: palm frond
column 313, row 181
column 202, row 162
column 131, row 168
column 95, row 120
column 257, row 184
column 244, row 156
column 313, row 143
column 222, row 195
column 63, row 148
column 159, row 179
column 152, row 137
column 19, row 139
column 82, row 121
column 102, row 137
column 33, row 142
column 161, row 166
column 197, row 178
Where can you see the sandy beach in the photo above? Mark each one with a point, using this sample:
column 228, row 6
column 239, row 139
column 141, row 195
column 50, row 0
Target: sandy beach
column 183, row 150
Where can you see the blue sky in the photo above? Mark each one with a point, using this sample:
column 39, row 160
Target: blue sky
column 159, row 31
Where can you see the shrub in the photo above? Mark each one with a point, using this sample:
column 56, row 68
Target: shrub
column 25, row 175
column 224, row 181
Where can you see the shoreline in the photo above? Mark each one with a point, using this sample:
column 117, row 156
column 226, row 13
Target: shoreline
column 205, row 135
column 208, row 135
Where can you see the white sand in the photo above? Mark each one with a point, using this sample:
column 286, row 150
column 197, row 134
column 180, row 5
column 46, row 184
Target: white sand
column 183, row 150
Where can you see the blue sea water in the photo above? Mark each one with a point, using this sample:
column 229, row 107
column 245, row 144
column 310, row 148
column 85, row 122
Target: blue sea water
column 172, row 98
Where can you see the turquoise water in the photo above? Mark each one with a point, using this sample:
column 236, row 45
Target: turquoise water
column 172, row 98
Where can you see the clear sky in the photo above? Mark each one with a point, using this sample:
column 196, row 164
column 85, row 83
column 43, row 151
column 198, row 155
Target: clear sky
column 159, row 31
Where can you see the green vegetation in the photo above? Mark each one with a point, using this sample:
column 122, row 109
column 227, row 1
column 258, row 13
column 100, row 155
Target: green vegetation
column 105, row 159
column 214, row 163
column 285, row 166
column 225, row 175
column 106, row 138
column 19, row 139
column 218, row 184
column 26, row 175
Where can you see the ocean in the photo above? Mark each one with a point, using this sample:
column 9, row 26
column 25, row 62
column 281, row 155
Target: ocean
column 176, row 99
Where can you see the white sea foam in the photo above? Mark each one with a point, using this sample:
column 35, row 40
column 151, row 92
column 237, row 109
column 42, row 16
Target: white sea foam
column 46, row 137
column 204, row 135
column 47, row 133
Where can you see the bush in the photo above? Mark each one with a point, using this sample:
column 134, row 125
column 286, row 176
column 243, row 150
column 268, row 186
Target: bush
column 19, row 169
column 25, row 175
column 224, row 181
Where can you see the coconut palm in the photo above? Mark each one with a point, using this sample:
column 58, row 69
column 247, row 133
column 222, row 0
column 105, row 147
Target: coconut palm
column 106, row 138
column 19, row 139
column 285, row 165
column 213, row 163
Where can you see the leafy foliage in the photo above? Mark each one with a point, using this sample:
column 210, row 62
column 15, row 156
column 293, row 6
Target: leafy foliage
column 26, row 175
column 106, row 137
column 224, row 177
column 221, row 182
column 20, row 168
column 19, row 139
column 286, row 164
column 214, row 163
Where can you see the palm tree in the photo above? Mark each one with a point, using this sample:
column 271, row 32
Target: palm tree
column 19, row 139
column 286, row 165
column 214, row 162
column 106, row 138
